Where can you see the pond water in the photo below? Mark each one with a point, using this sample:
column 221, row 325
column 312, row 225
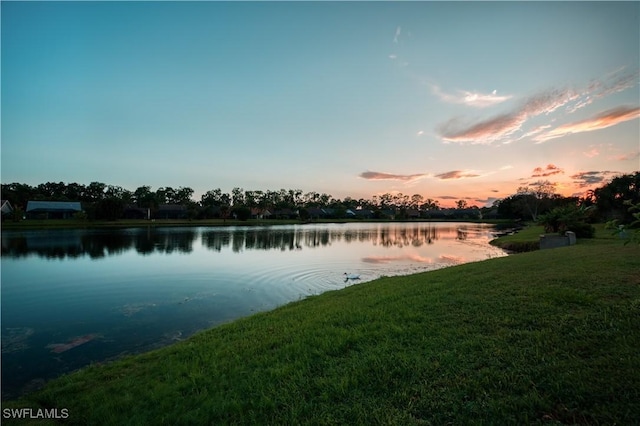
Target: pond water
column 75, row 297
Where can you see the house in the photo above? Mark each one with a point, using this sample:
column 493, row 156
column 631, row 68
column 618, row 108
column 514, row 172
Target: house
column 364, row 213
column 52, row 209
column 6, row 209
column 171, row 211
column 285, row 214
column 257, row 213
column 413, row 214
column 133, row 212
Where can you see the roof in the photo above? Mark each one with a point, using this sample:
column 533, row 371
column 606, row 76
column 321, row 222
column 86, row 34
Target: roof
column 54, row 206
column 172, row 207
column 6, row 206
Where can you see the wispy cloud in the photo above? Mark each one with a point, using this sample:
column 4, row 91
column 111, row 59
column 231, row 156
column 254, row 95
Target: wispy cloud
column 474, row 99
column 550, row 170
column 505, row 125
column 593, row 152
column 456, row 174
column 389, row 176
column 584, row 179
column 511, row 126
column 628, row 156
column 397, row 35
column 601, row 121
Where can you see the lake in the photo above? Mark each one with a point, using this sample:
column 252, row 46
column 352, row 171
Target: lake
column 75, row 297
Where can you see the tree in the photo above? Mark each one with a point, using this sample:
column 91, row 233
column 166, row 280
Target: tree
column 144, row 197
column 95, row 192
column 611, row 198
column 535, row 195
column 237, row 197
column 461, row 204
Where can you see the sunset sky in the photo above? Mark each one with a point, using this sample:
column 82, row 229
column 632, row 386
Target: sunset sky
column 450, row 100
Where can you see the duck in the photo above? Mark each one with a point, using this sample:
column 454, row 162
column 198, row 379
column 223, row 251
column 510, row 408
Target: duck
column 351, row 276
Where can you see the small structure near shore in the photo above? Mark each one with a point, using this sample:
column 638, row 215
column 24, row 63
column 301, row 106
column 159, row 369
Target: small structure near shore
column 548, row 241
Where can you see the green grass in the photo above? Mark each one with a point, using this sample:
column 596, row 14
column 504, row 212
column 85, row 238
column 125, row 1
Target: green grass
column 526, row 239
column 545, row 337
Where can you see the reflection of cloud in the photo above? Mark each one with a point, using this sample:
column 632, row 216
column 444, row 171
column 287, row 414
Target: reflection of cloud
column 451, row 258
column 584, row 179
column 456, row 174
column 474, row 99
column 601, row 121
column 550, row 170
column 387, row 259
column 389, row 176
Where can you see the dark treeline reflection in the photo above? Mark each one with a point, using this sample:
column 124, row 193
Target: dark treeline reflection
column 62, row 244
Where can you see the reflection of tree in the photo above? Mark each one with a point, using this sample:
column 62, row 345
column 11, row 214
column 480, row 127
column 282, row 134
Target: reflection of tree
column 62, row 244
column 98, row 244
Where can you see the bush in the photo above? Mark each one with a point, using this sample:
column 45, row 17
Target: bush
column 568, row 218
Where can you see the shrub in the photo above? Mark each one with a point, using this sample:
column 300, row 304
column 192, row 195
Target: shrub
column 568, row 218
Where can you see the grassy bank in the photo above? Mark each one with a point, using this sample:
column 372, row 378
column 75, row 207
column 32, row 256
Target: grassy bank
column 526, row 239
column 549, row 336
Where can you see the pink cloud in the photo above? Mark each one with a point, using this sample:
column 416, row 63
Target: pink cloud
column 592, row 153
column 628, row 156
column 585, row 179
column 550, row 170
column 510, row 126
column 456, row 174
column 389, row 176
column 601, row 121
column 505, row 125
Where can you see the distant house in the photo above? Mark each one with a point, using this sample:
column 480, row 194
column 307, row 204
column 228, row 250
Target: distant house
column 6, row 209
column 413, row 214
column 52, row 209
column 257, row 213
column 364, row 213
column 133, row 212
column 285, row 214
column 171, row 211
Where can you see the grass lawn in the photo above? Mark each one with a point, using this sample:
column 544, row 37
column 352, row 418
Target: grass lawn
column 546, row 337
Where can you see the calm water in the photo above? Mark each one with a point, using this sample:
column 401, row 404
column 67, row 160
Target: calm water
column 74, row 297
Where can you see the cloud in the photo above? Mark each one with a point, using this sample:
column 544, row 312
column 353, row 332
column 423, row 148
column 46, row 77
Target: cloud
column 389, row 176
column 510, row 126
column 628, row 156
column 456, row 174
column 505, row 125
column 600, row 121
column 474, row 99
column 393, row 56
column 584, row 179
column 550, row 170
column 592, row 153
column 507, row 167
column 448, row 197
column 397, row 35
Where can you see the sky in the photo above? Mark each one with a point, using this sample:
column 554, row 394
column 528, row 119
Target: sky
column 449, row 100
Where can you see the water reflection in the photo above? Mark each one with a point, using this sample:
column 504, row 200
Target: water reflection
column 98, row 244
column 114, row 292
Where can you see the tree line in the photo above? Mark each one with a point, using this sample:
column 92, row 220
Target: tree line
column 103, row 201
